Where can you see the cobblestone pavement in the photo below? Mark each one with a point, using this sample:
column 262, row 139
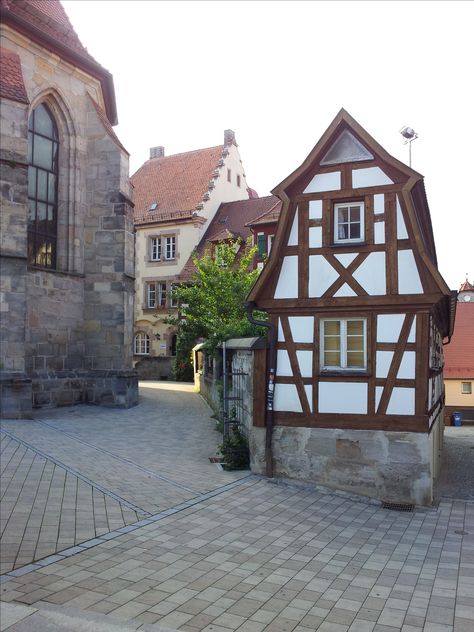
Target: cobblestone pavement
column 457, row 473
column 76, row 473
column 248, row 554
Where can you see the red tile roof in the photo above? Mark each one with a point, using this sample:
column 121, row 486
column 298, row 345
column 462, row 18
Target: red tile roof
column 459, row 353
column 232, row 220
column 46, row 22
column 51, row 18
column 270, row 216
column 106, row 123
column 11, row 78
column 176, row 183
column 466, row 287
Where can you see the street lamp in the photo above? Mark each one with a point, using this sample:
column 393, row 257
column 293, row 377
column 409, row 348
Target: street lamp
column 409, row 135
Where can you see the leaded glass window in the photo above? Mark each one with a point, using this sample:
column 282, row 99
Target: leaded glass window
column 43, row 146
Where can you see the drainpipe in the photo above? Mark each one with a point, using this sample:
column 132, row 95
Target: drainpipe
column 271, row 372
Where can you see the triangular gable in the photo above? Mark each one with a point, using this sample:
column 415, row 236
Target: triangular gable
column 337, row 143
column 346, row 149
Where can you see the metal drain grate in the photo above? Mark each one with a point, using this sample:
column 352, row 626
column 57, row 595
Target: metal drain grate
column 397, row 506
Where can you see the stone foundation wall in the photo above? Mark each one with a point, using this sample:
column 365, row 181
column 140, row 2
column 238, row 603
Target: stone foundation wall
column 118, row 389
column 390, row 466
column 155, row 368
column 15, row 396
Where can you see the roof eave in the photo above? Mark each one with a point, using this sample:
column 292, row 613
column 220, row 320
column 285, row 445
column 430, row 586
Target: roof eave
column 343, row 117
column 89, row 66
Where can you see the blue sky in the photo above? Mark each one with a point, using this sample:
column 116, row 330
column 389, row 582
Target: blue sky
column 277, row 72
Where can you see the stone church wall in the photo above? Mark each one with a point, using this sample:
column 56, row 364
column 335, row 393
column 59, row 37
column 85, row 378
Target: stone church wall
column 66, row 334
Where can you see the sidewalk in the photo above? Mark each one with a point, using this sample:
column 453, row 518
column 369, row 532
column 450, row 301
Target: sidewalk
column 248, row 554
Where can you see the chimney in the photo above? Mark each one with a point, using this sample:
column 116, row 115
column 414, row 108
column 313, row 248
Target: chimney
column 157, row 152
column 229, row 138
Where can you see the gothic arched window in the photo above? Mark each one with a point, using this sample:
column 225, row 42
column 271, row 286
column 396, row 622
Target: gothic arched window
column 43, row 147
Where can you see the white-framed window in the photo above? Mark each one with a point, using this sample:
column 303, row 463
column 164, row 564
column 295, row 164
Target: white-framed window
column 170, row 247
column 348, row 222
column 466, row 388
column 343, row 344
column 158, row 294
column 173, row 302
column 270, row 242
column 155, row 249
column 150, row 295
column 142, row 344
column 161, row 294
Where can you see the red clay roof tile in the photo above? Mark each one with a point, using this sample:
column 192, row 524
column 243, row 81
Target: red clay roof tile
column 175, row 183
column 232, row 220
column 459, row 353
column 12, row 85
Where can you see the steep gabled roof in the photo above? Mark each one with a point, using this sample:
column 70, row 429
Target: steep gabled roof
column 46, row 22
column 413, row 193
column 12, row 85
column 459, row 354
column 270, row 216
column 175, row 183
column 232, row 221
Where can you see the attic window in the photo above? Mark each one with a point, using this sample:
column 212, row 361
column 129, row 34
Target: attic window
column 153, row 206
column 223, row 220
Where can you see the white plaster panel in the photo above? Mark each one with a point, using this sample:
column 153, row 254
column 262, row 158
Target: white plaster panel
column 343, row 397
column 409, row 281
column 345, row 290
column 321, row 275
column 281, row 335
column 383, row 361
column 389, row 327
column 401, row 228
column 346, row 258
column 293, row 238
column 402, row 402
column 286, row 398
column 378, row 395
column 287, row 286
column 302, row 328
column 316, row 209
column 315, row 237
column 412, row 334
column 324, row 182
column 369, row 177
column 371, row 274
column 379, row 203
column 305, row 361
column 407, row 366
column 283, row 364
column 309, row 395
column 379, row 232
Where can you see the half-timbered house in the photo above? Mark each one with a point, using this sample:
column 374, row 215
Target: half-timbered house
column 360, row 312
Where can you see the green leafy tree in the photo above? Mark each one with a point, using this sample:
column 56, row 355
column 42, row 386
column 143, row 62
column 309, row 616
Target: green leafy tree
column 212, row 305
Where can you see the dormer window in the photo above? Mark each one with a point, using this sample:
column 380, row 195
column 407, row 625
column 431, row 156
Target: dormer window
column 348, row 222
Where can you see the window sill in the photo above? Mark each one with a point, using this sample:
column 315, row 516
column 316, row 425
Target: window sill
column 345, row 244
column 344, row 372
